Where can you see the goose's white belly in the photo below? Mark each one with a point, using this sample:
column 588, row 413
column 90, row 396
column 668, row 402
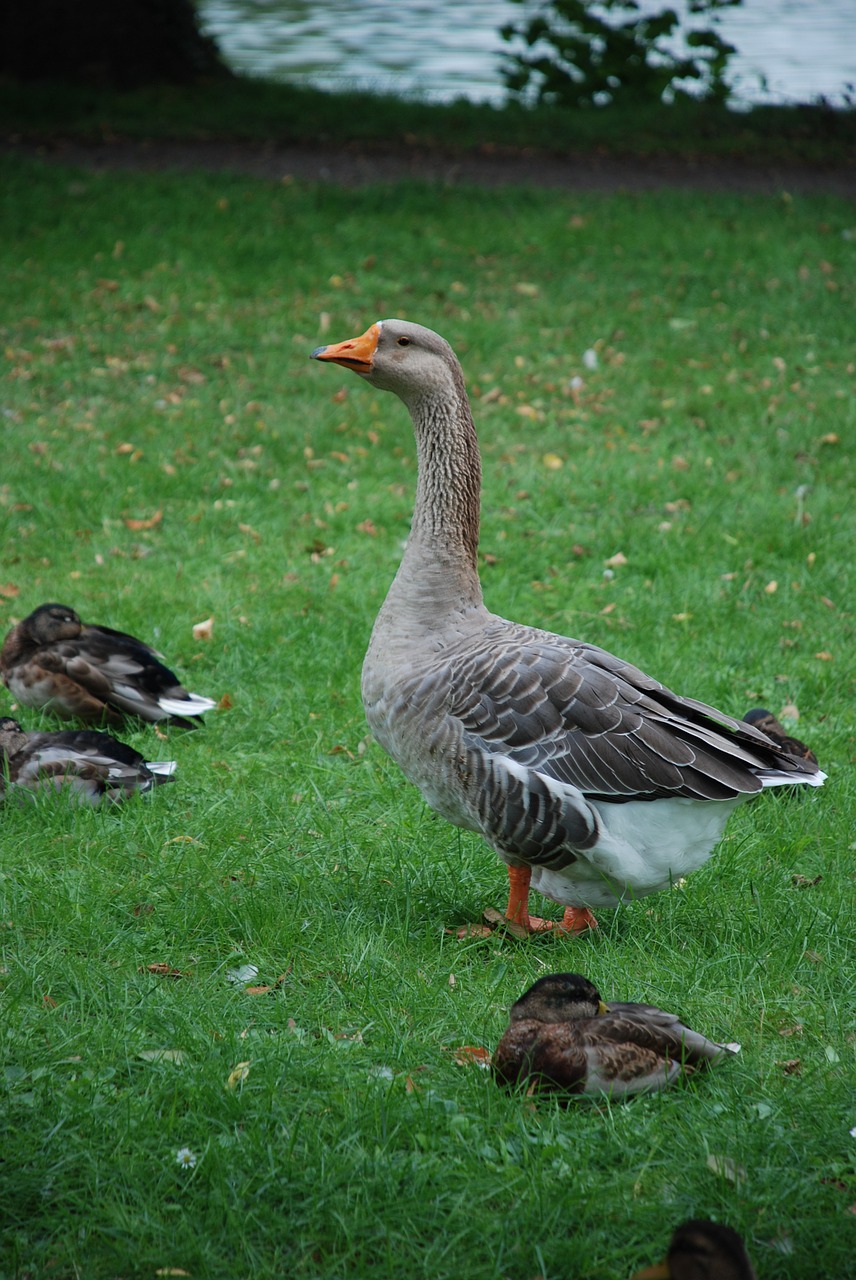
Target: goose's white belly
column 644, row 846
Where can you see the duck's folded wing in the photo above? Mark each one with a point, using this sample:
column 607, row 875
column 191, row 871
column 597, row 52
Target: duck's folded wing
column 654, row 1029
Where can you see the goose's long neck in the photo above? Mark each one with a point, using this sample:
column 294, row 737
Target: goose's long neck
column 439, row 570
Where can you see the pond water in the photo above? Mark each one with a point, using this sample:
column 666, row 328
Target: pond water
column 788, row 50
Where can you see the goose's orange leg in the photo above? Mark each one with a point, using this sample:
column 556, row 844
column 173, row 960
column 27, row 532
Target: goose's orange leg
column 575, row 919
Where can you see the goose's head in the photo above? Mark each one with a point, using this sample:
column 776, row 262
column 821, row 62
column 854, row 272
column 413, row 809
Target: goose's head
column 396, row 355
column 702, row 1250
column 52, row 622
column 559, row 997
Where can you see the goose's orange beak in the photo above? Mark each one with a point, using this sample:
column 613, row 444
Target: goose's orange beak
column 356, row 353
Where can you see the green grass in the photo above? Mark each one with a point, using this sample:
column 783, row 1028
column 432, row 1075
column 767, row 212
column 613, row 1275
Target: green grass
column 156, row 332
column 259, row 110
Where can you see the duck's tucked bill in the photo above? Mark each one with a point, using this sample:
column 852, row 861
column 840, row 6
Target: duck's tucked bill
column 591, row 780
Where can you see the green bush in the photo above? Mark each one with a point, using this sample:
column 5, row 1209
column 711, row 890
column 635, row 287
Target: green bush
column 598, row 55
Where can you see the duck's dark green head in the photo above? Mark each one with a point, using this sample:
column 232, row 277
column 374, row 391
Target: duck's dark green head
column 559, row 997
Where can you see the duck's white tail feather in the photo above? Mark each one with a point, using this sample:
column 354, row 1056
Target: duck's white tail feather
column 193, row 705
column 163, row 768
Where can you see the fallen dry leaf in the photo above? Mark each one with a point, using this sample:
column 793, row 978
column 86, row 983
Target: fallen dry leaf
column 802, row 882
column 614, row 562
column 464, row 931
column 162, row 970
column 552, row 461
column 238, row 1075
column 225, row 703
column 725, row 1167
column 204, row 630
column 791, row 1066
column 495, row 918
column 136, row 525
column 472, row 1055
column 8, row 590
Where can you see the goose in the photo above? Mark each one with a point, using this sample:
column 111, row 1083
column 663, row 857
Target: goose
column 92, row 766
column 702, row 1250
column 592, row 781
column 56, row 663
column 561, row 1036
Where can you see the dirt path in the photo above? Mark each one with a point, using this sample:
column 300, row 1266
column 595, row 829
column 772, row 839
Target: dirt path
column 355, row 167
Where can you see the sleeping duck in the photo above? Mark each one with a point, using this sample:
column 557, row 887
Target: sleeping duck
column 702, row 1250
column 91, row 766
column 562, row 1037
column 53, row 661
column 592, row 781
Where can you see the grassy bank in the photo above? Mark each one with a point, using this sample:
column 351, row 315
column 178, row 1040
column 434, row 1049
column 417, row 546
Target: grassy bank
column 683, row 496
column 261, row 111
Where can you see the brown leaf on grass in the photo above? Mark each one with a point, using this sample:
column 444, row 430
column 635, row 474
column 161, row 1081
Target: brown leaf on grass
column 225, row 703
column 161, row 970
column 204, row 630
column 469, row 1055
column 813, row 957
column 464, row 931
column 495, row 918
column 824, row 656
column 8, row 591
column 796, row 1029
column 261, row 990
column 791, row 1066
column 410, row 1085
column 802, row 882
column 49, row 1001
column 136, row 525
column 615, row 562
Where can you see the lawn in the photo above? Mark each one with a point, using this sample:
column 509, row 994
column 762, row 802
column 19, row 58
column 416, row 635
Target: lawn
column 664, row 388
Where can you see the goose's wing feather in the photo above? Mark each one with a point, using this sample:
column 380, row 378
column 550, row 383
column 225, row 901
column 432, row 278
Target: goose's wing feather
column 579, row 716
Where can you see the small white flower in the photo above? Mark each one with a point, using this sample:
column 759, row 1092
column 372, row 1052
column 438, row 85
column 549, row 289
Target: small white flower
column 590, row 359
column 186, row 1158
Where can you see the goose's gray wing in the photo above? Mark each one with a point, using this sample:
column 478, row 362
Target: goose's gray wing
column 577, row 715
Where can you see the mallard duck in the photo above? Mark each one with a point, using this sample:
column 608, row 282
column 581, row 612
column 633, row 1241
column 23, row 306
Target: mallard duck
column 53, row 661
column 91, row 765
column 563, row 1037
column 592, row 781
column 764, row 720
column 702, row 1250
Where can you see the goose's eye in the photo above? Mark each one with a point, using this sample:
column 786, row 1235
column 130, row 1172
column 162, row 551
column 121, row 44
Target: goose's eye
column 404, row 342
